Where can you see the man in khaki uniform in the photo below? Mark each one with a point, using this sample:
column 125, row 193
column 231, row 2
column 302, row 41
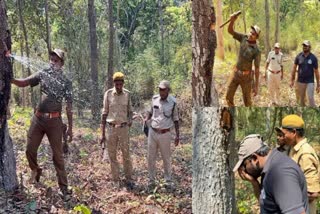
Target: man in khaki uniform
column 304, row 155
column 117, row 116
column 55, row 87
column 163, row 115
column 274, row 73
column 242, row 75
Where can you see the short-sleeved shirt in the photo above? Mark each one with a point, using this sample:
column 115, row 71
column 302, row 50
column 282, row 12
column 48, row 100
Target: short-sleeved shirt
column 275, row 61
column 164, row 112
column 284, row 188
column 117, row 106
column 247, row 53
column 306, row 66
column 55, row 87
column 306, row 157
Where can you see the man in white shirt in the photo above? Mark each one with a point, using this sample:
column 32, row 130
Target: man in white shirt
column 274, row 73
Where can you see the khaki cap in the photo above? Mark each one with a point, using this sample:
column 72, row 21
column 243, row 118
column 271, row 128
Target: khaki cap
column 249, row 145
column 164, row 84
column 306, row 42
column 59, row 53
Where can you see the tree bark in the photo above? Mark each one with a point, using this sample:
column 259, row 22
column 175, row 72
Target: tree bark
column 93, row 59
column 267, row 40
column 277, row 31
column 160, row 5
column 220, row 30
column 26, row 40
column 204, row 43
column 212, row 176
column 8, row 176
column 109, row 81
column 48, row 39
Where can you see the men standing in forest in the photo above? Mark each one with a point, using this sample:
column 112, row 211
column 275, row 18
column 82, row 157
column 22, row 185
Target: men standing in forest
column 242, row 73
column 307, row 64
column 304, row 155
column 117, row 115
column 274, row 73
column 163, row 115
column 283, row 186
column 55, row 87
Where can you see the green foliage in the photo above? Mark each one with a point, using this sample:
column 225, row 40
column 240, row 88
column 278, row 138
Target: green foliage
column 82, row 209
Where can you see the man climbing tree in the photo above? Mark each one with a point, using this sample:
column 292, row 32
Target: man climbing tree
column 8, row 177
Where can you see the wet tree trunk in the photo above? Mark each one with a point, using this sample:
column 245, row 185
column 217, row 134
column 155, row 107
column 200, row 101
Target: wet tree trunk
column 160, row 5
column 277, row 31
column 8, row 176
column 220, row 30
column 109, row 82
column 267, row 39
column 204, row 43
column 93, row 60
column 213, row 159
column 25, row 35
column 48, row 39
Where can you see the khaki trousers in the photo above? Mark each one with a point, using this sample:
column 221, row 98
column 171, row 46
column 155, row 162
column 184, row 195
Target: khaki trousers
column 313, row 207
column 162, row 142
column 53, row 129
column 119, row 137
column 245, row 81
column 274, row 86
column 301, row 90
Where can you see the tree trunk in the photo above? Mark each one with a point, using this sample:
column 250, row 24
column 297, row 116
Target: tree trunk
column 203, row 50
column 25, row 35
column 48, row 39
column 109, row 81
column 277, row 32
column 8, row 176
column 162, row 60
column 267, row 40
column 212, row 176
column 93, row 60
column 220, row 30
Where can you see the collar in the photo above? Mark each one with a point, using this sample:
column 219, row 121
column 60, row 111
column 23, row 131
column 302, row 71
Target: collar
column 114, row 91
column 298, row 145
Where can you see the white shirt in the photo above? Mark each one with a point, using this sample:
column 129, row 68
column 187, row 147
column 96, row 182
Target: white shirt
column 275, row 61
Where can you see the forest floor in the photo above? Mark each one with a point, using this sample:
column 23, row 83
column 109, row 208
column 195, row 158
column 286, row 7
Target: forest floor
column 222, row 70
column 90, row 177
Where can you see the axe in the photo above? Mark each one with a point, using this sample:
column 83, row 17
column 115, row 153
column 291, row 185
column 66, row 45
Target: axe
column 226, row 22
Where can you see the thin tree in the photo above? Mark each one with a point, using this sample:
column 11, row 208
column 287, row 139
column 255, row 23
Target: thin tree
column 93, row 59
column 8, row 176
column 109, row 82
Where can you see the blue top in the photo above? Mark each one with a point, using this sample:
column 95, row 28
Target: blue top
column 306, row 64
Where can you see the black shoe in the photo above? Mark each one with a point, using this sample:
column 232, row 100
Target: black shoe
column 130, row 185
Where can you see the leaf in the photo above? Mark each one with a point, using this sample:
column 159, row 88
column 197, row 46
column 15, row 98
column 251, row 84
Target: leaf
column 82, row 208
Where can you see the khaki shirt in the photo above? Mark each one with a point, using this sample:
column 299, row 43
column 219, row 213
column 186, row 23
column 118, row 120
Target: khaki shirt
column 164, row 112
column 306, row 157
column 275, row 61
column 117, row 107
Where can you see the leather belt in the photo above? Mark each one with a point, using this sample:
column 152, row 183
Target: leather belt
column 48, row 115
column 160, row 131
column 244, row 72
column 118, row 125
column 275, row 72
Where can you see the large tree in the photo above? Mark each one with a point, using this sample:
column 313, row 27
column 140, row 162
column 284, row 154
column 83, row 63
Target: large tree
column 213, row 135
column 8, row 176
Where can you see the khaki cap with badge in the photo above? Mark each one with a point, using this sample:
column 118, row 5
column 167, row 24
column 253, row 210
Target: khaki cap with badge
column 249, row 145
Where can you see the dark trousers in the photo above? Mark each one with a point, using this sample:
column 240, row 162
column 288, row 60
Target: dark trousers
column 245, row 81
column 53, row 129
